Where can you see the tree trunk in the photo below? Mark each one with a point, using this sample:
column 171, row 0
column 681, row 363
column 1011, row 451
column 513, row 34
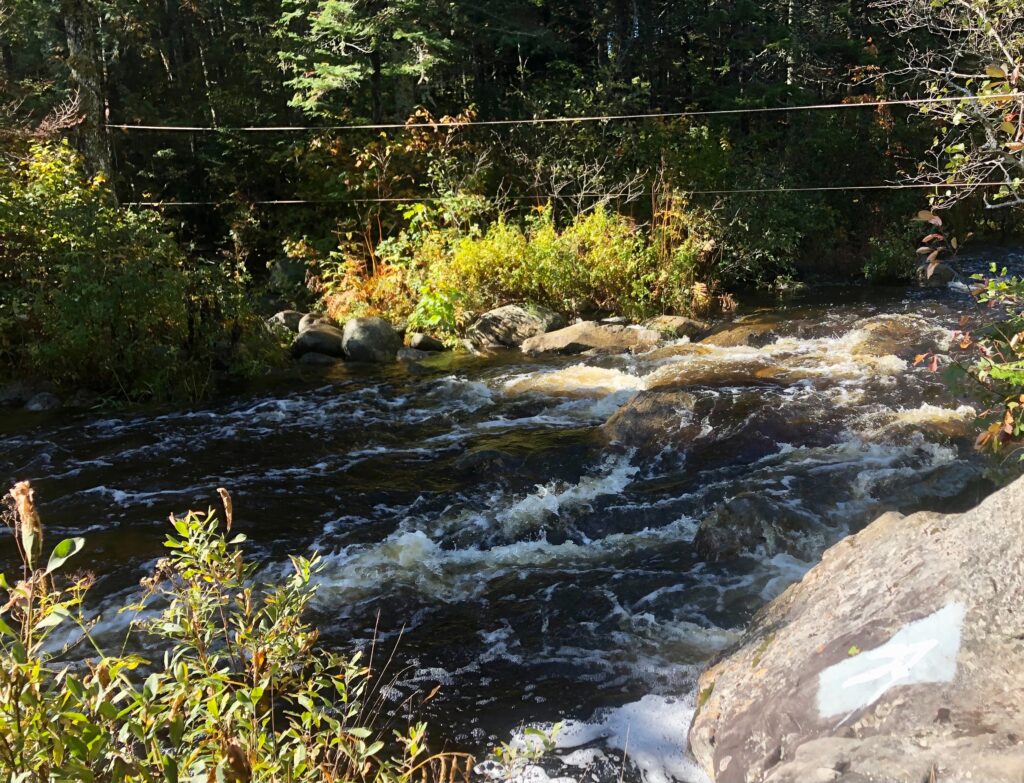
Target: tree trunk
column 80, row 24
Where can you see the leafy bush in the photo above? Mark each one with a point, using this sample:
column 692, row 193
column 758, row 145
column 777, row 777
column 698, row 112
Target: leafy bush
column 241, row 692
column 97, row 296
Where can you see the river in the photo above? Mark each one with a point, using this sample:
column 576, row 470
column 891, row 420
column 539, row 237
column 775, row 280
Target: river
column 476, row 512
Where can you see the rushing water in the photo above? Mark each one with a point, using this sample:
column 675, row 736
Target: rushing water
column 540, row 571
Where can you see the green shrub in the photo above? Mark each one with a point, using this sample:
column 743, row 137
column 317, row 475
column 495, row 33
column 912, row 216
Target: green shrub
column 891, row 258
column 241, row 692
column 98, row 296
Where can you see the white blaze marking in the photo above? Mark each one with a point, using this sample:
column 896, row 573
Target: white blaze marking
column 920, row 652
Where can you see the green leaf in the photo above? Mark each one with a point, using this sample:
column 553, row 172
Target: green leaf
column 63, row 552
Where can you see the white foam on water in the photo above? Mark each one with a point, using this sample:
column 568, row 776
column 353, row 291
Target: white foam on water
column 579, row 380
column 552, row 499
column 650, row 733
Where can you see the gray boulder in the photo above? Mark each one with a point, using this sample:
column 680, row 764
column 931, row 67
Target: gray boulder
column 287, row 319
column 320, row 338
column 424, row 342
column 309, row 320
column 371, row 340
column 942, row 275
column 511, row 325
column 44, row 401
column 677, row 326
column 592, row 336
column 899, row 657
column 750, row 333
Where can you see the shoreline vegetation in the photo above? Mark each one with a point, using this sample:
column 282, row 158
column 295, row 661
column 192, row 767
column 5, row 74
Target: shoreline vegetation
column 236, row 687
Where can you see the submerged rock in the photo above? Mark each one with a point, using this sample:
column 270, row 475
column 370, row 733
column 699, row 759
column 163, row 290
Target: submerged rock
column 371, row 340
column 942, row 275
column 44, row 401
column 288, row 319
column 592, row 336
column 511, row 325
column 750, row 522
column 897, row 335
column 677, row 326
column 413, row 354
column 320, row 338
column 898, row 658
column 755, row 335
column 424, row 342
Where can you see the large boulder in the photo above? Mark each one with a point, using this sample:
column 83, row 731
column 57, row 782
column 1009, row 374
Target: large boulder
column 511, row 325
column 592, row 336
column 42, row 402
column 322, row 339
column 371, row 340
column 309, row 320
column 743, row 333
column 424, row 342
column 677, row 326
column 899, row 658
column 287, row 319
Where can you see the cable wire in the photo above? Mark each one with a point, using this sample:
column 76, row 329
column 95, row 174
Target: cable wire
column 548, row 196
column 554, row 120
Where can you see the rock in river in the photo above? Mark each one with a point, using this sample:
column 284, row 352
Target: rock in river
column 424, row 342
column 44, row 401
column 371, row 340
column 900, row 657
column 751, row 521
column 511, row 325
column 320, row 338
column 677, row 326
column 592, row 336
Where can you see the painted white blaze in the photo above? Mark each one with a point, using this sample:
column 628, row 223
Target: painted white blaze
column 920, row 652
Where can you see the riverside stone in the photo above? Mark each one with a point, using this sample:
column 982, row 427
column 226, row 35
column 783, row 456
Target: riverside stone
column 320, row 338
column 900, row 657
column 677, row 326
column 371, row 340
column 511, row 325
column 592, row 336
column 424, row 342
column 309, row 320
column 44, row 401
column 289, row 319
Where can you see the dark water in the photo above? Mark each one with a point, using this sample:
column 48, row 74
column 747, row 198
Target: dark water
column 540, row 572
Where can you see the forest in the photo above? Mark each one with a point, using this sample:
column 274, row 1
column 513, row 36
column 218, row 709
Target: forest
column 640, row 378
column 341, row 155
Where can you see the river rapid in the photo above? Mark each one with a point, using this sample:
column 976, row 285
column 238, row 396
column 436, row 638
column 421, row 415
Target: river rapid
column 478, row 515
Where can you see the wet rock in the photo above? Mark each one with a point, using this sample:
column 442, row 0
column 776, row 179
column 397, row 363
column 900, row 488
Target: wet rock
column 592, row 336
column 511, row 325
column 898, row 658
column 898, row 335
column 15, row 394
column 316, row 359
column 320, row 338
column 751, row 522
column 942, row 275
column 287, row 319
column 755, row 335
column 309, row 320
column 677, row 326
column 413, row 354
column 578, row 381
column 371, row 340
column 654, row 418
column 44, row 401
column 424, row 342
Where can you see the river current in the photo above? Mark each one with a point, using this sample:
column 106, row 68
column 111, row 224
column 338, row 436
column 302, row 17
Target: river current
column 478, row 516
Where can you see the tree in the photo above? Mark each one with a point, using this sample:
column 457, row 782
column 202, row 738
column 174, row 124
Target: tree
column 968, row 55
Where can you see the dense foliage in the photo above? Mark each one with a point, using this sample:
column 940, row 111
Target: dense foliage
column 102, row 298
column 240, row 692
